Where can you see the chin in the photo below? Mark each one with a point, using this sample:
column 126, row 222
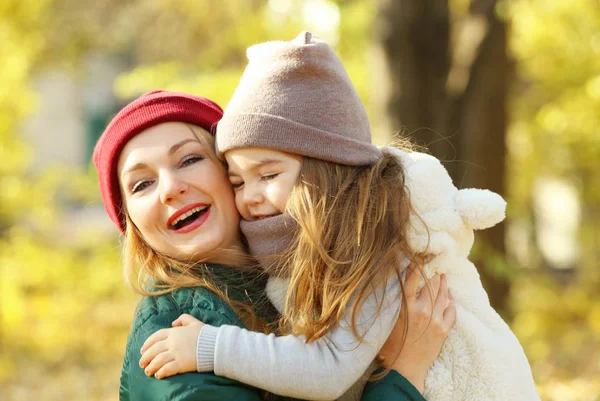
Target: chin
column 208, row 248
column 200, row 248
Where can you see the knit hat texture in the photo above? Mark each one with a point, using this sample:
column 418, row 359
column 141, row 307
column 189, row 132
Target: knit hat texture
column 296, row 97
column 148, row 110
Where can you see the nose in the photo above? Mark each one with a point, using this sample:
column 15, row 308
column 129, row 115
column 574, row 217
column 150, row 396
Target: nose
column 171, row 187
column 252, row 195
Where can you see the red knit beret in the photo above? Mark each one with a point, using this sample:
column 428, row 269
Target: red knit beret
column 148, row 110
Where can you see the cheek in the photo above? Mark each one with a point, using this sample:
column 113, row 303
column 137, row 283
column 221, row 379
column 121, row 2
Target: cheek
column 143, row 215
column 147, row 219
column 224, row 196
column 231, row 205
column 240, row 204
column 278, row 195
column 283, row 188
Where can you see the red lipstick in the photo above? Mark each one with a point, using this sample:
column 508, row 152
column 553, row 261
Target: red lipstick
column 204, row 213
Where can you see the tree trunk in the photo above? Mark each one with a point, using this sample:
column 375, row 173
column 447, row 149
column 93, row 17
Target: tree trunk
column 449, row 93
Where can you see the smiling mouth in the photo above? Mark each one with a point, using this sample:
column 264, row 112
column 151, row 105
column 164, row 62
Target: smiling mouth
column 188, row 218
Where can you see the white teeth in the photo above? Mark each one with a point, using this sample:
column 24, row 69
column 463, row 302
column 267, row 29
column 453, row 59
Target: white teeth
column 188, row 214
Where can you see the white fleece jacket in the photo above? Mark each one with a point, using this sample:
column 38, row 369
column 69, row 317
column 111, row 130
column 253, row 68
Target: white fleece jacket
column 481, row 358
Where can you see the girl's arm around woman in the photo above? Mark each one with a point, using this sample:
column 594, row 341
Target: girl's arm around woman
column 157, row 312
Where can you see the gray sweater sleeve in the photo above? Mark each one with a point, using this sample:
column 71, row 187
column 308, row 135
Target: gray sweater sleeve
column 321, row 370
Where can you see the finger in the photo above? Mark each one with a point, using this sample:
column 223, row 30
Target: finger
column 154, row 338
column 158, row 362
column 441, row 301
column 436, row 283
column 443, row 290
column 450, row 315
column 151, row 353
column 430, row 290
column 179, row 321
column 169, row 369
column 412, row 280
column 185, row 320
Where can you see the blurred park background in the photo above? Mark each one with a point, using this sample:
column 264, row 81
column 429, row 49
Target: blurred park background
column 506, row 92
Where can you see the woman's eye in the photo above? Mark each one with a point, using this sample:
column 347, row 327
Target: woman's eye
column 139, row 186
column 191, row 159
column 268, row 177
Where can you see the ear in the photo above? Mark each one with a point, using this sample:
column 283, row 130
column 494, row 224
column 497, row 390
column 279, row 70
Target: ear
column 480, row 208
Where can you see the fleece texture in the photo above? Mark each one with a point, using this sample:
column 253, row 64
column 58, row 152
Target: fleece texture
column 481, row 358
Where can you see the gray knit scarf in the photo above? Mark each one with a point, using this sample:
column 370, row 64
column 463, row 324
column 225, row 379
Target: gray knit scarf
column 268, row 238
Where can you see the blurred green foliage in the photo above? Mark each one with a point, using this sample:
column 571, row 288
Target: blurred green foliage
column 64, row 309
column 555, row 133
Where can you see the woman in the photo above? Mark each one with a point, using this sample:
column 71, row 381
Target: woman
column 169, row 195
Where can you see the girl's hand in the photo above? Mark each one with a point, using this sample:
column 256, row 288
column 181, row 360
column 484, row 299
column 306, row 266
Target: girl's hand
column 171, row 351
column 429, row 321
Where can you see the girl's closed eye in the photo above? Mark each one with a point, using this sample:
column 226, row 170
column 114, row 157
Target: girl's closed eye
column 268, row 177
column 236, row 183
column 191, row 159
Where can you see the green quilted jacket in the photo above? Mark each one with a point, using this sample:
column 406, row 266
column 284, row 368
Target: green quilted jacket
column 157, row 312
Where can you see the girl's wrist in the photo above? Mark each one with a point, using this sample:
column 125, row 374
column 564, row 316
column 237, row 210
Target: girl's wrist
column 205, row 348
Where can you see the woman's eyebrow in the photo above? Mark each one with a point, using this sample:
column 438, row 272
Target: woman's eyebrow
column 137, row 166
column 179, row 144
column 172, row 150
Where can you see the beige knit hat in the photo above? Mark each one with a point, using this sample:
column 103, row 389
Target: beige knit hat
column 296, row 97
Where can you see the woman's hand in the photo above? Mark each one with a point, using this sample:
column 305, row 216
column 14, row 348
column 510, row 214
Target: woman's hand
column 429, row 321
column 171, row 351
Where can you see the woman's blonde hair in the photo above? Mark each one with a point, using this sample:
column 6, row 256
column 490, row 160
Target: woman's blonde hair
column 351, row 240
column 149, row 272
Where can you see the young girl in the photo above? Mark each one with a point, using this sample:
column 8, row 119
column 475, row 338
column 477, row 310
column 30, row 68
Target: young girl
column 324, row 212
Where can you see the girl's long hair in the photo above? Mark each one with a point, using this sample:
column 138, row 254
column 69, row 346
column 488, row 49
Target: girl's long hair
column 352, row 238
